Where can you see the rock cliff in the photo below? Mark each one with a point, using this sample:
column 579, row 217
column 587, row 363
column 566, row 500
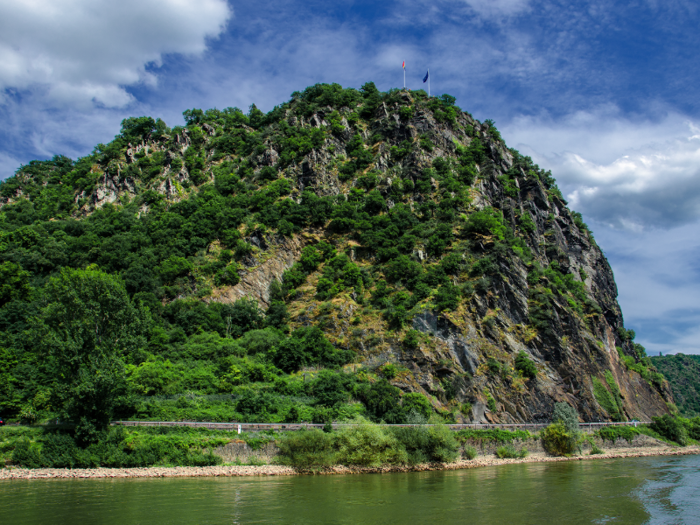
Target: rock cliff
column 412, row 235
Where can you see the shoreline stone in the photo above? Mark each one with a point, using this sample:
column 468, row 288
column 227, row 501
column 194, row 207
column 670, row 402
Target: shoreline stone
column 15, row 473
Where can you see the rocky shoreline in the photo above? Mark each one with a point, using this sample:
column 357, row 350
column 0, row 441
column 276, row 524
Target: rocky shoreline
column 13, row 473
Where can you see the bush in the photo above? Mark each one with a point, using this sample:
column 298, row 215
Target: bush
column 558, row 441
column 595, row 449
column 368, row 445
column 615, row 433
column 306, row 449
column 424, row 444
column 118, row 449
column 492, row 435
column 469, row 452
column 671, row 428
column 525, row 365
column 567, row 415
column 508, row 451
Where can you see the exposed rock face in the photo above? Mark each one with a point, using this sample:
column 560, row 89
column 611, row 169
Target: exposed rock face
column 262, row 269
column 569, row 354
column 464, row 356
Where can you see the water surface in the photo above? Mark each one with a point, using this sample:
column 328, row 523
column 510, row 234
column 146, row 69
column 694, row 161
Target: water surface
column 636, row 490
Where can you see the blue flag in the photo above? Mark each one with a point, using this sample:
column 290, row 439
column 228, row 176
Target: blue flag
column 426, row 77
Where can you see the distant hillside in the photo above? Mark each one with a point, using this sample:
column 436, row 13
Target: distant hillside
column 683, row 375
column 349, row 252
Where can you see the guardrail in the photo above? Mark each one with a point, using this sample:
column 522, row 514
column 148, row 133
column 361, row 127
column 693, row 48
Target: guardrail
column 257, row 427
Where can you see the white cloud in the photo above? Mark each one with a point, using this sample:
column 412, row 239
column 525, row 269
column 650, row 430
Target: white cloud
column 88, row 50
column 658, row 276
column 624, row 172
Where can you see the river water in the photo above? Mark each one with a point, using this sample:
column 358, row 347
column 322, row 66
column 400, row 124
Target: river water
column 662, row 490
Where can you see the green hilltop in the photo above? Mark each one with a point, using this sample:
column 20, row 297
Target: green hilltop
column 351, row 252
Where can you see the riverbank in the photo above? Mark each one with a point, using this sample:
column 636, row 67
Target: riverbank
column 14, row 473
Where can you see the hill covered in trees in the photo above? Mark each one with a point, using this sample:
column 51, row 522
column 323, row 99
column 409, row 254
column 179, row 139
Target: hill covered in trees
column 683, row 374
column 349, row 252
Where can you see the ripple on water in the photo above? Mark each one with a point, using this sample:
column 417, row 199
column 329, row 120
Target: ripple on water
column 637, row 490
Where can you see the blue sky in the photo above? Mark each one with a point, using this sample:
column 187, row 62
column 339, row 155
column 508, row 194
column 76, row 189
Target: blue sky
column 605, row 94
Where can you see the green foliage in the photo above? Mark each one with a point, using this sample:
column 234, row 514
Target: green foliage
column 566, row 415
column 491, row 402
column 607, row 399
column 625, row 432
column 306, row 449
column 368, row 445
column 508, row 451
column 682, row 372
column 87, row 325
column 307, row 346
column 469, row 452
column 671, row 428
column 558, row 440
column 118, row 449
column 423, row 444
column 525, row 365
column 14, row 283
column 595, row 449
column 486, row 222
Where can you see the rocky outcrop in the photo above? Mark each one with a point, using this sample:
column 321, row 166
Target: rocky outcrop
column 277, row 255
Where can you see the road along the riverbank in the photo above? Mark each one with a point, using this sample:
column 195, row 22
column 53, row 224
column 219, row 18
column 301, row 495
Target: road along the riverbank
column 13, row 473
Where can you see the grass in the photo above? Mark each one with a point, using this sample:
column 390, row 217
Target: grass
column 614, row 433
column 492, row 435
column 508, row 451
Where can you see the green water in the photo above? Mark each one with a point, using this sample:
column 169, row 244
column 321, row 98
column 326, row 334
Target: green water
column 644, row 490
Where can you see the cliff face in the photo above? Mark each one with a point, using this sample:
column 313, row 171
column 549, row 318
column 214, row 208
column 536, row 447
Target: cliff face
column 469, row 356
column 463, row 266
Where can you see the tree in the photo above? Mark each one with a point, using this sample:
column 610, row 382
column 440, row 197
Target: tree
column 86, row 327
column 14, row 283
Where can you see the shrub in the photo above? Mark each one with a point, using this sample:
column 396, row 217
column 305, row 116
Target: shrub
column 595, row 449
column 508, row 451
column 567, row 415
column 117, row 448
column 306, row 449
column 428, row 443
column 671, row 428
column 558, row 441
column 469, row 452
column 367, row 444
column 615, row 433
column 492, row 435
column 411, row 339
column 525, row 365
column 486, row 222
column 416, row 403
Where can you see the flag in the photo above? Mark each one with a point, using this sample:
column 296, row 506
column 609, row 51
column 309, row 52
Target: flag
column 426, row 77
column 404, row 64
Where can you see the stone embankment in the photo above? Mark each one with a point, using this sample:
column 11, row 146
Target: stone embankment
column 279, row 470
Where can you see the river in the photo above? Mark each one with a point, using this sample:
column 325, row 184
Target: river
column 660, row 490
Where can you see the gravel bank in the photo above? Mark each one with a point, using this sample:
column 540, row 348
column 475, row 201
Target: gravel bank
column 277, row 470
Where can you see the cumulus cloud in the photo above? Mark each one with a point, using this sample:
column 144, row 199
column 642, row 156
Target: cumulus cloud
column 623, row 172
column 80, row 51
column 658, row 275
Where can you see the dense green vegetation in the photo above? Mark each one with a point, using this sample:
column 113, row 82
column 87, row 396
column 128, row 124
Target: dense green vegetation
column 114, row 269
column 683, row 375
column 562, row 437
column 370, row 445
column 119, row 447
column 183, row 357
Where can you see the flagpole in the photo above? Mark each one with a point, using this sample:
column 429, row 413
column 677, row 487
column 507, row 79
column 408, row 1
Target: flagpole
column 428, row 81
